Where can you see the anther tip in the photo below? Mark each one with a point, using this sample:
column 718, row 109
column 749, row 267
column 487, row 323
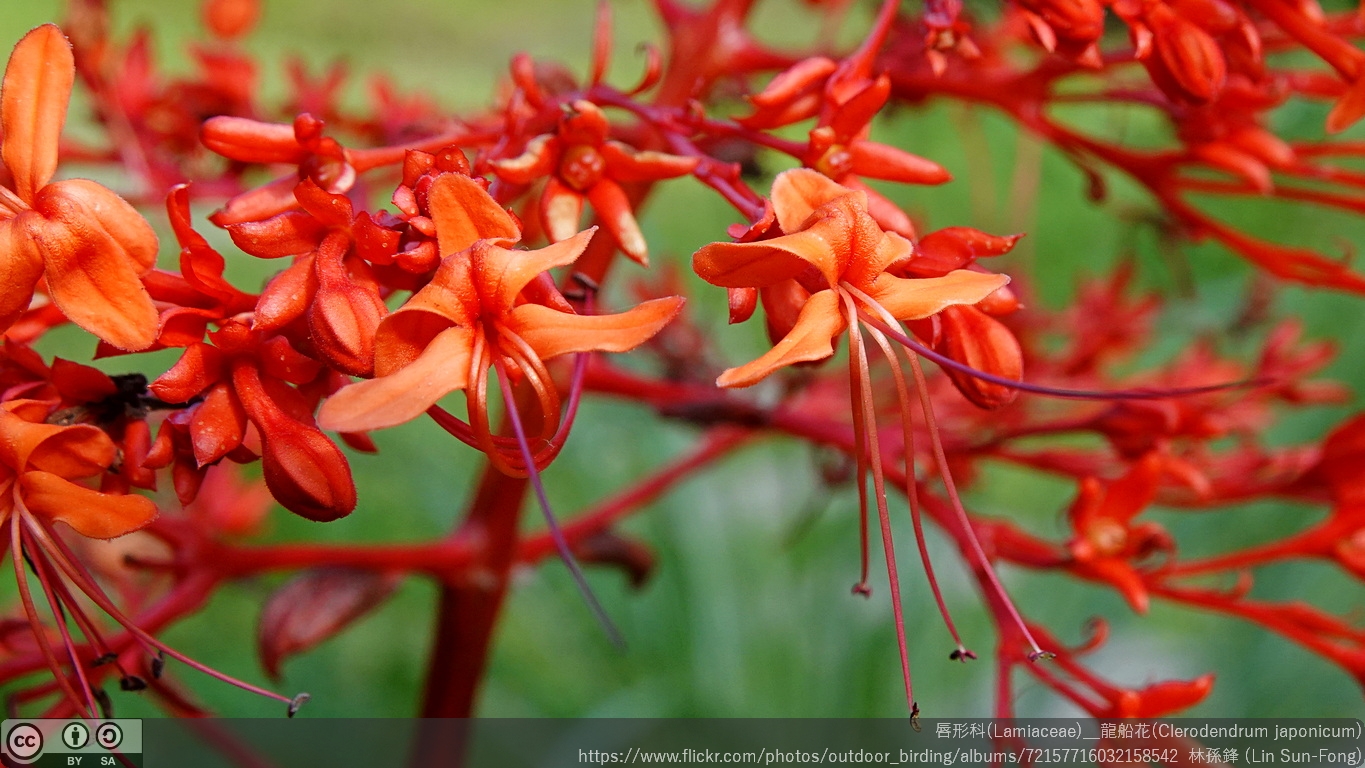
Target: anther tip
column 297, row 702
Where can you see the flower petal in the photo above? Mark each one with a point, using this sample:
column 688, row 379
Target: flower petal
column 464, row 212
column 613, row 207
column 912, row 299
column 73, row 451
column 91, row 513
column 812, row 338
column 798, row 192
column 33, row 102
column 405, row 394
column 91, row 273
column 552, row 333
column 501, row 273
column 21, row 264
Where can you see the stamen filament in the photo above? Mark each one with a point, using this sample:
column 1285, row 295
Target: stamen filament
column 869, row 418
column 556, row 533
column 30, row 610
column 860, row 462
column 49, row 543
column 912, row 489
column 40, row 569
column 941, row 460
column 890, row 329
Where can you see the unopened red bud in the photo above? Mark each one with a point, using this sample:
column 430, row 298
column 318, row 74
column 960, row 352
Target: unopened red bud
column 218, row 425
column 286, row 297
column 304, row 470
column 1188, row 55
column 971, row 336
column 252, row 141
column 345, row 311
column 1073, row 20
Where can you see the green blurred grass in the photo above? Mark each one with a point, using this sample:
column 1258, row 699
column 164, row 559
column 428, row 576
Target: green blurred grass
column 738, row 620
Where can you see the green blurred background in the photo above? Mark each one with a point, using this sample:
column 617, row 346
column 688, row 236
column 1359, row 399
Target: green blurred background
column 743, row 617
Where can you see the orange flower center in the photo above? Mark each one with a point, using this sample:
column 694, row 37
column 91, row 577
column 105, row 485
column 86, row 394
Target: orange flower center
column 1106, row 538
column 582, row 167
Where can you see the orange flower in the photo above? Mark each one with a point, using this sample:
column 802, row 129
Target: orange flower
column 838, row 254
column 88, row 242
column 486, row 307
column 833, row 268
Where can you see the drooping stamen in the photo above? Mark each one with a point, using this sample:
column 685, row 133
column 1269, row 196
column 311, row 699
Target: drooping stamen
column 977, row 552
column 42, row 569
column 912, row 490
column 64, row 560
column 860, row 460
column 1143, row 393
column 30, row 610
column 556, row 533
column 869, row 419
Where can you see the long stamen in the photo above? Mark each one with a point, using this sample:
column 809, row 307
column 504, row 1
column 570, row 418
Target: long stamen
column 936, row 443
column 51, row 544
column 941, row 460
column 860, row 459
column 869, row 418
column 889, row 326
column 42, row 571
column 556, row 533
column 912, row 490
column 31, row 611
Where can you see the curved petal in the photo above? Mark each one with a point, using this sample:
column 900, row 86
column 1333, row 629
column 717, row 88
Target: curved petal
column 111, row 213
column 537, row 161
column 500, row 273
column 92, row 276
column 71, row 451
column 798, row 192
column 21, row 264
column 812, row 338
column 614, row 209
column 552, row 333
column 561, row 208
column 33, row 102
column 91, row 513
column 912, row 299
column 464, row 212
column 405, row 394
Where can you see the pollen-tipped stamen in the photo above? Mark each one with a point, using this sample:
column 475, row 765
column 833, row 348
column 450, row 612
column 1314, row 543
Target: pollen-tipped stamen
column 976, row 551
column 869, row 418
column 912, row 490
column 53, row 545
column 552, row 524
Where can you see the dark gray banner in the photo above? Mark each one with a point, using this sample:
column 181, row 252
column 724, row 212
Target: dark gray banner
column 303, row 743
